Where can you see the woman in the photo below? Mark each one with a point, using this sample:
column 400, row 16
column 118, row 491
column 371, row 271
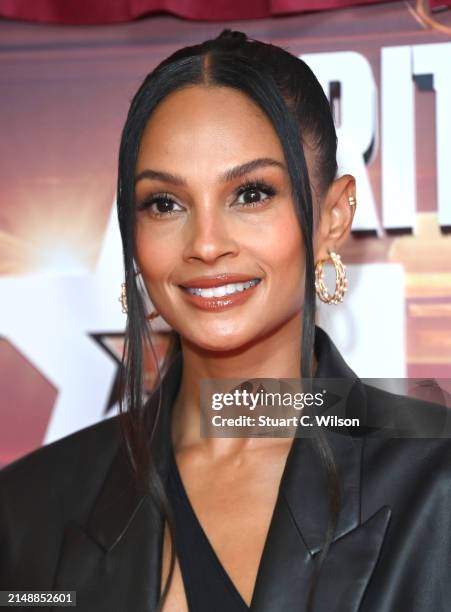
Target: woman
column 228, row 204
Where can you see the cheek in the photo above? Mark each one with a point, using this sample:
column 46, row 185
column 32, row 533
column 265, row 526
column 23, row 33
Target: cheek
column 154, row 259
column 283, row 248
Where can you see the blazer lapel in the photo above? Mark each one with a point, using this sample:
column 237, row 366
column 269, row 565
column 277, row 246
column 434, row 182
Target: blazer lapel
column 300, row 517
column 114, row 561
column 297, row 529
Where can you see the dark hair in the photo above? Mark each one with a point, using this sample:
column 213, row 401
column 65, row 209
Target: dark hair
column 288, row 92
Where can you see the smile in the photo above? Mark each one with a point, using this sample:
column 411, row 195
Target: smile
column 222, row 297
column 222, row 290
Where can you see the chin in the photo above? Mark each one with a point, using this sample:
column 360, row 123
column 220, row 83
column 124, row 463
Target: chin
column 215, row 341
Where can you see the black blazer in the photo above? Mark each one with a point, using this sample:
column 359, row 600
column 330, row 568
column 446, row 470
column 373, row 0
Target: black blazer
column 71, row 518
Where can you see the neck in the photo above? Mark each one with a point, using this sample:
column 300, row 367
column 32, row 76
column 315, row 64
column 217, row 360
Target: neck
column 275, row 356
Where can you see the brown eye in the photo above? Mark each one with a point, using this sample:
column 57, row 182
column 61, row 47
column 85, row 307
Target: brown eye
column 250, row 195
column 163, row 205
column 160, row 206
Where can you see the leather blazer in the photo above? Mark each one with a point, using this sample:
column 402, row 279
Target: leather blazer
column 72, row 518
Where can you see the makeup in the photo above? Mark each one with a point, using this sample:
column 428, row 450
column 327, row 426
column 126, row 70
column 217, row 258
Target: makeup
column 216, row 294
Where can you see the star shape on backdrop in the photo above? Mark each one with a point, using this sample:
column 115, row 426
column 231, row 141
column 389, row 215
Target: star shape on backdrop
column 62, row 323
column 113, row 344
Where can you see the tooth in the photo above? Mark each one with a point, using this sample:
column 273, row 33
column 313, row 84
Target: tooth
column 219, row 291
column 222, row 290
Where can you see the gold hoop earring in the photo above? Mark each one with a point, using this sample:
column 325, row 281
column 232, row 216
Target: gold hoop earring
column 341, row 282
column 123, row 300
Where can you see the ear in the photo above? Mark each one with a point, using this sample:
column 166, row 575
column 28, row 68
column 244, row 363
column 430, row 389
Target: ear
column 335, row 217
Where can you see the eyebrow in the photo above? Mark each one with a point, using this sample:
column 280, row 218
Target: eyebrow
column 159, row 175
column 229, row 175
column 243, row 169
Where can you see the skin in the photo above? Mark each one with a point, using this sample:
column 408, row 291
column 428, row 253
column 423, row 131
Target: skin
column 198, row 134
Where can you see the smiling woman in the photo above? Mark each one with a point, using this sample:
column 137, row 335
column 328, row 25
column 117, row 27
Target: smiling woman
column 229, row 203
column 213, row 183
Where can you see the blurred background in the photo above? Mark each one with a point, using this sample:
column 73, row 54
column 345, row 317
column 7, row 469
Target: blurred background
column 67, row 75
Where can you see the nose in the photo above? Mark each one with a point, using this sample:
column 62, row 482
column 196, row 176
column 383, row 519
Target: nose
column 209, row 235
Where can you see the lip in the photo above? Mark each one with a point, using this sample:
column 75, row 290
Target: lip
column 205, row 282
column 218, row 304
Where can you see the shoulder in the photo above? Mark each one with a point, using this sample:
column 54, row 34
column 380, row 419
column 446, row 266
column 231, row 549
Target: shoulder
column 415, row 429
column 43, row 492
column 406, row 456
column 396, row 416
column 406, row 470
column 76, row 462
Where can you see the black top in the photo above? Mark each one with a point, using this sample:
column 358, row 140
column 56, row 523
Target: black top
column 207, row 585
column 73, row 519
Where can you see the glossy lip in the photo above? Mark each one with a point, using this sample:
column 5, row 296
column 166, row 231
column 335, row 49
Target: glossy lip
column 205, row 282
column 219, row 304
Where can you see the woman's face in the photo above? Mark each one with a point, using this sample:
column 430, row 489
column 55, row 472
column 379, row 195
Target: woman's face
column 214, row 199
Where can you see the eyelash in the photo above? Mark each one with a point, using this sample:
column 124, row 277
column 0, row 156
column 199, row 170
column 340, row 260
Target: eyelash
column 257, row 185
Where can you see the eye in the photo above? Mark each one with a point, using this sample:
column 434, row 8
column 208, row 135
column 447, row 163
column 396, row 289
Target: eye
column 160, row 205
column 253, row 194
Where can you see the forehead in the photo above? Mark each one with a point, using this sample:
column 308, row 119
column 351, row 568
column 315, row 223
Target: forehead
column 207, row 124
